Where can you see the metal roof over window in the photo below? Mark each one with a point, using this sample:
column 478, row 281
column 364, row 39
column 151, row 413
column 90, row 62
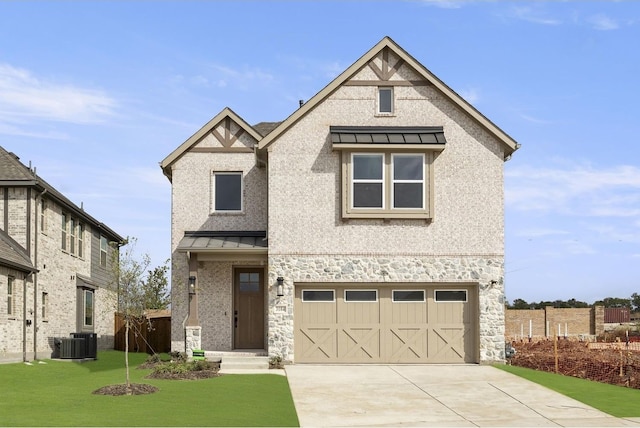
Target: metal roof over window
column 416, row 136
column 224, row 241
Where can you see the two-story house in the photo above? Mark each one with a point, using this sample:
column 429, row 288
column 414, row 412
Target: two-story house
column 55, row 267
column 367, row 227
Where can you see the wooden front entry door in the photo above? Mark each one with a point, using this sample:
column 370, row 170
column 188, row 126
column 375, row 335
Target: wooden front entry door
column 248, row 311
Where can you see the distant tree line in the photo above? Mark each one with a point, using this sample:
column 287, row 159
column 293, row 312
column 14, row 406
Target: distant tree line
column 633, row 303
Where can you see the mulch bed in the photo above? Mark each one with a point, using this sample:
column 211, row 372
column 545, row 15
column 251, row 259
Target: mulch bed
column 142, row 388
column 121, row 389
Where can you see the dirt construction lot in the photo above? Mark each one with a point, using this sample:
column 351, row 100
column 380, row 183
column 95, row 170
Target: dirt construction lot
column 617, row 364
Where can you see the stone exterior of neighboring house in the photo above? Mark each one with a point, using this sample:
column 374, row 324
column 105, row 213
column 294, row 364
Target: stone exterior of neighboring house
column 55, row 267
column 366, row 227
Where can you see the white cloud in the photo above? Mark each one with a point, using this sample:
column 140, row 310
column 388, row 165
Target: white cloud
column 472, row 96
column 25, row 97
column 244, row 79
column 446, row 4
column 603, row 22
column 575, row 190
column 539, row 232
column 533, row 15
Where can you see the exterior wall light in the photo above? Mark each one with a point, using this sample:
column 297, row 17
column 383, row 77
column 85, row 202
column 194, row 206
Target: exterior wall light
column 192, row 285
column 280, row 286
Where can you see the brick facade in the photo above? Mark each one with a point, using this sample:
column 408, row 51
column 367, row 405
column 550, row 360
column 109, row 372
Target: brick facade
column 48, row 302
column 294, row 189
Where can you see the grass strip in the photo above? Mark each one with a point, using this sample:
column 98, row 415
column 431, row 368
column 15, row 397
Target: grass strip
column 615, row 400
column 59, row 393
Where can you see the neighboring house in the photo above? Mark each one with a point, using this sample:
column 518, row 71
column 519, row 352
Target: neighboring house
column 367, row 227
column 55, row 267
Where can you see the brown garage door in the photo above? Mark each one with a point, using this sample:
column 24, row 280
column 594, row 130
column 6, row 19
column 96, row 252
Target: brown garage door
column 369, row 323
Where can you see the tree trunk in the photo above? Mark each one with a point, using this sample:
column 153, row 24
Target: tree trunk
column 126, row 354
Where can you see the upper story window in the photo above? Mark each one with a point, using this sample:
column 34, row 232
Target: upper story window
column 10, row 296
column 64, row 231
column 385, row 100
column 387, row 184
column 103, row 251
column 43, row 216
column 226, row 192
column 72, row 235
column 80, row 240
column 387, row 171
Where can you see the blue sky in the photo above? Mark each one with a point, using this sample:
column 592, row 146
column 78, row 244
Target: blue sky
column 96, row 94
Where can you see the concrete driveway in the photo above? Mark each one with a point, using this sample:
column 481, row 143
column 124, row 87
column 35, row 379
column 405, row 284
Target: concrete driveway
column 432, row 395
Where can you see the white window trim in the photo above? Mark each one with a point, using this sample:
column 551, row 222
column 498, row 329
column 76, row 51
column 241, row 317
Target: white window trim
column 466, row 296
column 213, row 192
column 317, row 301
column 104, row 251
column 360, row 301
column 45, row 306
column 424, row 297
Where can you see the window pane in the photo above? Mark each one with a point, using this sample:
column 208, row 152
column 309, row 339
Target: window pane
column 88, row 308
column 367, row 195
column 385, row 100
column 451, row 295
column 249, row 287
column 360, row 295
column 408, row 295
column 367, row 167
column 407, row 195
column 317, row 296
column 228, row 192
column 407, row 167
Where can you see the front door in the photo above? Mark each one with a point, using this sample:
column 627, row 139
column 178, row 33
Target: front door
column 248, row 311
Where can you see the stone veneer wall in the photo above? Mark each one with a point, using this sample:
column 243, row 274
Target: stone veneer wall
column 385, row 269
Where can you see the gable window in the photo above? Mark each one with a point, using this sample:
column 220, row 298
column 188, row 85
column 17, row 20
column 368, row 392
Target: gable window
column 385, row 100
column 226, row 192
column 88, row 308
column 10, row 301
column 103, row 251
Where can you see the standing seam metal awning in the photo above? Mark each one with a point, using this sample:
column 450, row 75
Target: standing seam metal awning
column 387, row 135
column 224, row 241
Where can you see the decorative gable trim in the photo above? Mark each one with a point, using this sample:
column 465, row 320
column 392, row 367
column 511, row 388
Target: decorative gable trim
column 384, row 73
column 227, row 139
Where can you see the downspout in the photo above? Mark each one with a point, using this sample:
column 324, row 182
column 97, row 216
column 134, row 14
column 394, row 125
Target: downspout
column 35, row 276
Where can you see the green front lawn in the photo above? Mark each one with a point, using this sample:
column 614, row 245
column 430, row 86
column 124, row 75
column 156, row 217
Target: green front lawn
column 615, row 400
column 59, row 393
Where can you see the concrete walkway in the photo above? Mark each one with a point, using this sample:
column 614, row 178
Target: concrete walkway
column 432, row 395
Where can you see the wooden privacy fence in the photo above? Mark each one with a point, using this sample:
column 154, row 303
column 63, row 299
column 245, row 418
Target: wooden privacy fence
column 150, row 335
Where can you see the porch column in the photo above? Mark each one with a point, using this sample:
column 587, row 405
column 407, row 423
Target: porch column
column 193, row 337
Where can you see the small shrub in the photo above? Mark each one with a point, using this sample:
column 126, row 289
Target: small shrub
column 178, row 356
column 276, row 362
column 153, row 359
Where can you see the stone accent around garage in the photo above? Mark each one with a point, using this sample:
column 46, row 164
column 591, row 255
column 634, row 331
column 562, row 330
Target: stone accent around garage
column 486, row 272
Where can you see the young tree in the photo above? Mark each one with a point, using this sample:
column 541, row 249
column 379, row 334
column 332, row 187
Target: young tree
column 156, row 292
column 129, row 271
